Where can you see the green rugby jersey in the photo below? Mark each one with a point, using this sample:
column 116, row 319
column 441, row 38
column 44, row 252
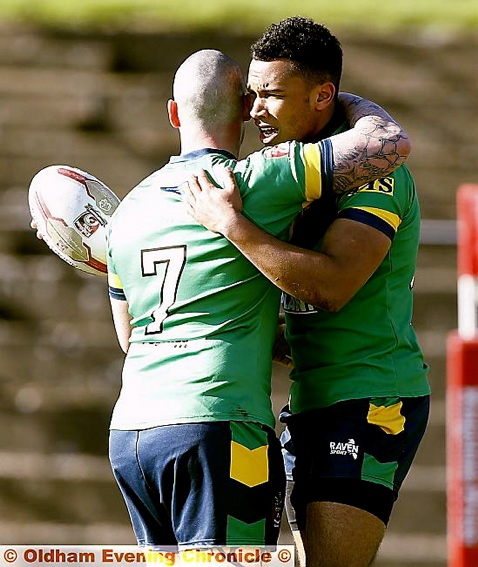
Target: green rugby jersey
column 368, row 348
column 203, row 317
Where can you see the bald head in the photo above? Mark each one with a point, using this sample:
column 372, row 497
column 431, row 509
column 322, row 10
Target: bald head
column 208, row 88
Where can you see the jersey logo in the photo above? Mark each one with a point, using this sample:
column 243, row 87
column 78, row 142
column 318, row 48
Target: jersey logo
column 348, row 448
column 293, row 305
column 279, row 151
column 89, row 222
column 384, row 185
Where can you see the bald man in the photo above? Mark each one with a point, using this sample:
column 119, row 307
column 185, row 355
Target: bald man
column 192, row 442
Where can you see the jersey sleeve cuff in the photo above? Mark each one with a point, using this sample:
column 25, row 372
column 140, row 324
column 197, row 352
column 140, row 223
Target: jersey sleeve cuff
column 369, row 219
column 116, row 293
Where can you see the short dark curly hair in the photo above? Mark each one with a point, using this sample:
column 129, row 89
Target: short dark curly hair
column 313, row 50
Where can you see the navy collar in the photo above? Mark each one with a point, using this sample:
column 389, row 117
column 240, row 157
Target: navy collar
column 199, row 153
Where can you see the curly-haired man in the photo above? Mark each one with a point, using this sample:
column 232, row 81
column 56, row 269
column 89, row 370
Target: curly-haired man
column 359, row 399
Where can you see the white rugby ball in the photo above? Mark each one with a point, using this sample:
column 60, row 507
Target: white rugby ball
column 71, row 209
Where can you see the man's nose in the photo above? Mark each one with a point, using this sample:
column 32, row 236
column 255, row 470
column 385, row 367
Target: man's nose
column 259, row 108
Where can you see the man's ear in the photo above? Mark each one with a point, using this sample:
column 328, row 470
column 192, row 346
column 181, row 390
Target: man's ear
column 324, row 95
column 173, row 113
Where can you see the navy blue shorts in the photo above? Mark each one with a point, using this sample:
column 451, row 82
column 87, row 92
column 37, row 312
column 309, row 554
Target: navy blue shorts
column 355, row 452
column 201, row 484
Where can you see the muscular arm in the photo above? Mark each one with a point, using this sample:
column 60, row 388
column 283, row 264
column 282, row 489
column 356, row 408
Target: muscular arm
column 349, row 255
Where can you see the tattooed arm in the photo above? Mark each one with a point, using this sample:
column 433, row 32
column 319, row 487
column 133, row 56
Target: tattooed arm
column 373, row 148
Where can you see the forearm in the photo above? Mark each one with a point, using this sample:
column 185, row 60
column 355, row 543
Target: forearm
column 373, row 148
column 121, row 320
column 327, row 279
column 307, row 275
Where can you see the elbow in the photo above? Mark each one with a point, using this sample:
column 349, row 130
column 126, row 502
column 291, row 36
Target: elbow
column 333, row 306
column 397, row 144
column 330, row 296
column 329, row 303
column 404, row 145
column 124, row 344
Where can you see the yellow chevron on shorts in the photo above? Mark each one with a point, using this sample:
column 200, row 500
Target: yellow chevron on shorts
column 388, row 418
column 249, row 466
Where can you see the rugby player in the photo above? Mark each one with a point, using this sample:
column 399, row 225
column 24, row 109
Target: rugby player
column 359, row 399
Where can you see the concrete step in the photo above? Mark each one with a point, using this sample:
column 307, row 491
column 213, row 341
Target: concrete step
column 146, row 52
column 60, row 501
column 420, row 508
column 412, row 550
column 437, row 261
column 26, row 47
column 122, row 106
column 69, row 430
column 14, row 213
column 50, row 82
column 440, row 57
column 84, row 296
column 119, row 168
column 52, row 110
column 67, row 533
column 434, row 346
column 432, row 449
column 21, row 141
column 440, row 318
column 60, row 379
column 72, row 94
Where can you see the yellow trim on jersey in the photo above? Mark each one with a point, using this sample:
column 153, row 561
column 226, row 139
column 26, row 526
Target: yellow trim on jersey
column 390, row 218
column 249, row 466
column 389, row 418
column 114, row 281
column 313, row 171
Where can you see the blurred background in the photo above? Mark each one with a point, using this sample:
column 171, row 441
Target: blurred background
column 86, row 84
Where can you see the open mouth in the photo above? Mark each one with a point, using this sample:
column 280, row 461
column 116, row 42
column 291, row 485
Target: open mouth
column 267, row 132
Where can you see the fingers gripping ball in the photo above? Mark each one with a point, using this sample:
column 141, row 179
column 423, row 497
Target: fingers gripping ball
column 71, row 209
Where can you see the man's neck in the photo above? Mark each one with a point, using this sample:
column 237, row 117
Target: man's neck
column 334, row 123
column 198, row 141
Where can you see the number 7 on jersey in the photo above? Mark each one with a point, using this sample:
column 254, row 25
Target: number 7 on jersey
column 174, row 259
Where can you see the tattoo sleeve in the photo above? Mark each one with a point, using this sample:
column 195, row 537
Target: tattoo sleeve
column 374, row 146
